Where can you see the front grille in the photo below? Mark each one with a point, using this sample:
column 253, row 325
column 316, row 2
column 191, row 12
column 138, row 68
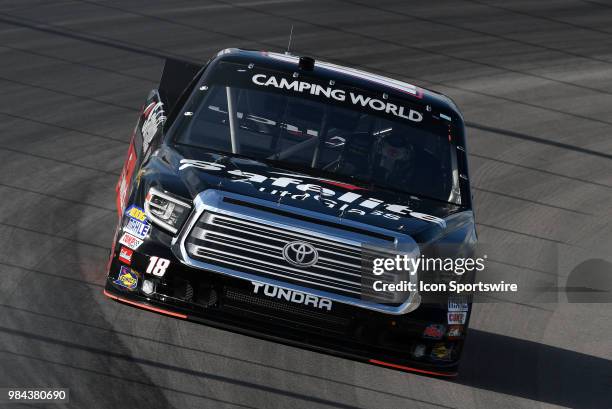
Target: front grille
column 257, row 248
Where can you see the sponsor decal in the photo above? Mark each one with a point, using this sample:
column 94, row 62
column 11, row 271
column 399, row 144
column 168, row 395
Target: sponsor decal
column 419, row 351
column 441, row 352
column 454, row 331
column 296, row 297
column 125, row 179
column 139, row 176
column 137, row 228
column 157, row 266
column 457, row 304
column 434, row 331
column 127, row 278
column 296, row 188
column 456, row 317
column 155, row 118
column 332, row 182
column 337, row 94
column 137, row 213
column 125, row 255
column 130, row 241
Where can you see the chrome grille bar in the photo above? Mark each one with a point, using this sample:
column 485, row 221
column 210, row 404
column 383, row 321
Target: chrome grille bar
column 210, row 238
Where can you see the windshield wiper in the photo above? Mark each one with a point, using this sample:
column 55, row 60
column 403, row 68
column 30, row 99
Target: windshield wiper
column 317, row 172
column 405, row 192
column 293, row 149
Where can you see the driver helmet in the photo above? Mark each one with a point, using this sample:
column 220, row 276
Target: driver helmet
column 394, row 150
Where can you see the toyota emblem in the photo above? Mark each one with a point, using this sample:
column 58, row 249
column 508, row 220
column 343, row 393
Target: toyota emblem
column 300, row 254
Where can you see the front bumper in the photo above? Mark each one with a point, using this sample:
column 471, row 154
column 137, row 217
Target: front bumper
column 348, row 331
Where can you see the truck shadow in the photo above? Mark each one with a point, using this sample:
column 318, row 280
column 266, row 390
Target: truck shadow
column 535, row 371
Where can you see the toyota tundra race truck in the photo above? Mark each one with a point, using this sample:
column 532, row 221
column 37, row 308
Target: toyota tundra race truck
column 259, row 189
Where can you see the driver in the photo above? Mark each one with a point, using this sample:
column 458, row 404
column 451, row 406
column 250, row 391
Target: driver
column 356, row 155
column 393, row 159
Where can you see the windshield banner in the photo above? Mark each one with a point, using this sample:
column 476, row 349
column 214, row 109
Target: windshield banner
column 338, row 95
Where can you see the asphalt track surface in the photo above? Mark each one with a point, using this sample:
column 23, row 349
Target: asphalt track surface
column 534, row 80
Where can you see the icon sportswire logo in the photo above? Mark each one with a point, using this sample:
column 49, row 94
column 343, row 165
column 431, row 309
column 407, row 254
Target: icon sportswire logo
column 300, row 254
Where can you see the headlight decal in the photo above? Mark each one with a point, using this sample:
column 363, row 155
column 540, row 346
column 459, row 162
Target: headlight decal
column 166, row 210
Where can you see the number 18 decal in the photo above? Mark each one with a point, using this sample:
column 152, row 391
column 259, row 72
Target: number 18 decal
column 158, row 266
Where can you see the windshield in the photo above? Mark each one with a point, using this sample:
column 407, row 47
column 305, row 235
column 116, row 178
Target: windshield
column 342, row 132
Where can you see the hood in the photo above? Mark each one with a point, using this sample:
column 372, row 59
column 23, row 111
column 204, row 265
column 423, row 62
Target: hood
column 200, row 170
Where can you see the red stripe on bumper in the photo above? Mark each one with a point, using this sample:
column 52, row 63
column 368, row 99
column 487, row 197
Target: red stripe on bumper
column 146, row 307
column 407, row 368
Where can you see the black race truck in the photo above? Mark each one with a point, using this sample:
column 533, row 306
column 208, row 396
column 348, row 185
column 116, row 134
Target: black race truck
column 259, row 187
